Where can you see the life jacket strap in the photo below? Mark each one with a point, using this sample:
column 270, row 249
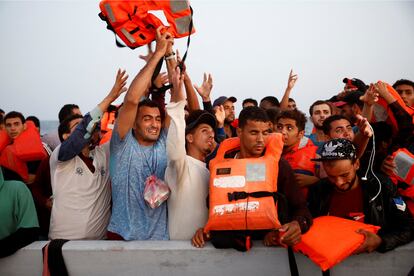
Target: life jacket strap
column 243, row 195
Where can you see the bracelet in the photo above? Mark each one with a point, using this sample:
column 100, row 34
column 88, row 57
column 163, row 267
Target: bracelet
column 169, row 56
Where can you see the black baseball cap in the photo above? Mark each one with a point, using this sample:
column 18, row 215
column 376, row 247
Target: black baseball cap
column 356, row 84
column 222, row 99
column 198, row 117
column 337, row 149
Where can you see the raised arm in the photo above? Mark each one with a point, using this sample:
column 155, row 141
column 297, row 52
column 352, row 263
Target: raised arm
column 291, row 83
column 204, row 91
column 141, row 82
column 192, row 100
column 82, row 134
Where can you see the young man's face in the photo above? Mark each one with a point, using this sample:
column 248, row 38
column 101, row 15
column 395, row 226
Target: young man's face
column 14, row 127
column 292, row 105
column 202, row 138
column 229, row 111
column 319, row 114
column 253, row 138
column 342, row 173
column 148, row 125
column 407, row 94
column 290, row 132
column 341, row 129
column 247, row 104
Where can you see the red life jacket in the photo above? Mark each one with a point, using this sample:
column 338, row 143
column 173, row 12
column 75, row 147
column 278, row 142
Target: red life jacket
column 242, row 190
column 107, row 122
column 300, row 157
column 136, row 26
column 26, row 147
column 332, row 239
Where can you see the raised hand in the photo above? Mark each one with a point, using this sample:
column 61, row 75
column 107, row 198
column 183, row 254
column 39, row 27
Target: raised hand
column 292, row 80
column 119, row 85
column 163, row 41
column 149, row 54
column 220, row 116
column 205, row 89
column 371, row 95
column 161, row 79
column 364, row 126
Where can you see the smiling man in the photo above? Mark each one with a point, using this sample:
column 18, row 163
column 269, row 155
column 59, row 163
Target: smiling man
column 138, row 155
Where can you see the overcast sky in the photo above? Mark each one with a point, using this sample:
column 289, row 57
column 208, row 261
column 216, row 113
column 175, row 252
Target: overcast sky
column 58, row 52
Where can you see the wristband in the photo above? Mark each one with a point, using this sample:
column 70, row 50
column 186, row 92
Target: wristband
column 169, row 56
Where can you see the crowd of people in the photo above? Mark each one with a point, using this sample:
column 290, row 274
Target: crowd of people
column 93, row 180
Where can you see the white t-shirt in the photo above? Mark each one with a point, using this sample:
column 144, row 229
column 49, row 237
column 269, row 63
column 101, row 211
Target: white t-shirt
column 81, row 199
column 188, row 179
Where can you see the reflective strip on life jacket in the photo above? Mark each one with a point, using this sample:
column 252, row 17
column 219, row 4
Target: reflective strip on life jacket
column 134, row 23
column 243, row 191
column 331, row 240
column 404, row 161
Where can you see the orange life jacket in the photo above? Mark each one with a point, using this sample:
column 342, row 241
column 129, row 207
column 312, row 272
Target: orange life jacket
column 26, row 147
column 404, row 161
column 4, row 139
column 242, row 190
column 382, row 112
column 106, row 138
column 332, row 239
column 300, row 157
column 136, row 26
column 107, row 122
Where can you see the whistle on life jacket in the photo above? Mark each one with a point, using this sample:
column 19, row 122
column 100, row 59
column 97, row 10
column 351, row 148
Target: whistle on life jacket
column 404, row 161
column 134, row 23
column 243, row 192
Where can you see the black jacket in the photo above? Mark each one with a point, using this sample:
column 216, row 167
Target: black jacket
column 397, row 227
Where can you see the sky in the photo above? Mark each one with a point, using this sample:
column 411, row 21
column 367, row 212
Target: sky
column 58, row 52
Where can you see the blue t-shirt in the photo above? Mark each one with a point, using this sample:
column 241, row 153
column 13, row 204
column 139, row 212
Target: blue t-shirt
column 130, row 165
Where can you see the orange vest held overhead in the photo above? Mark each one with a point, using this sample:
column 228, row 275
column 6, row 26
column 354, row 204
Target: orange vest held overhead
column 134, row 23
column 242, row 190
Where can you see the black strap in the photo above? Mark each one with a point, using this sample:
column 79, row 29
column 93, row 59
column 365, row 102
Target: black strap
column 293, row 266
column 326, row 273
column 109, row 27
column 190, row 29
column 243, row 195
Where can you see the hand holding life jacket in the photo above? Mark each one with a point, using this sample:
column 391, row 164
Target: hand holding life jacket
column 382, row 112
column 26, row 147
column 136, row 26
column 332, row 239
column 243, row 191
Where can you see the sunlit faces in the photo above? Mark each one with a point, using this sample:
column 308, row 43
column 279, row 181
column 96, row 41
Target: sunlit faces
column 253, row 138
column 341, row 129
column 319, row 114
column 202, row 138
column 290, row 132
column 14, row 127
column 342, row 173
column 407, row 94
column 147, row 125
column 229, row 111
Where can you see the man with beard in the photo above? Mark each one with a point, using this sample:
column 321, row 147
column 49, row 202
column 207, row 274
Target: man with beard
column 188, row 143
column 138, row 156
column 319, row 111
column 374, row 200
column 228, row 105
